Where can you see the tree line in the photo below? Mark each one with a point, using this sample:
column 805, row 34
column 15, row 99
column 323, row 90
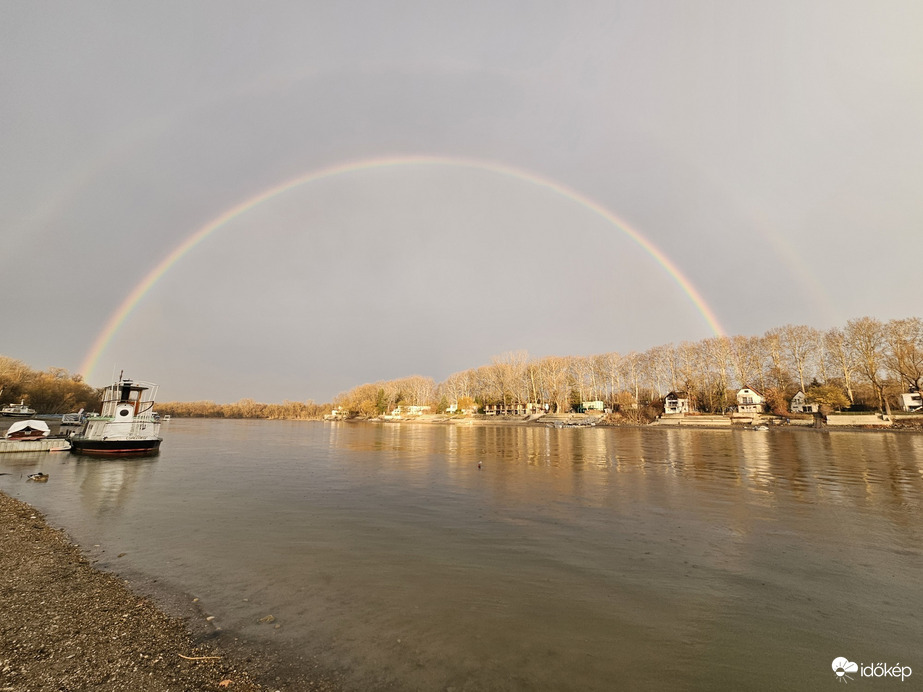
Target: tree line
column 47, row 391
column 57, row 391
column 245, row 408
column 863, row 365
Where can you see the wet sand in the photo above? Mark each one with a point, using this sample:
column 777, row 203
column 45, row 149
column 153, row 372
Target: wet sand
column 68, row 626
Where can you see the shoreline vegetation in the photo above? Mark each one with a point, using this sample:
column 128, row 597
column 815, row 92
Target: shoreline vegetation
column 866, row 367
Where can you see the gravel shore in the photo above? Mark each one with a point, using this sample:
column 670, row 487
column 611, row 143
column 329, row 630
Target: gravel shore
column 65, row 626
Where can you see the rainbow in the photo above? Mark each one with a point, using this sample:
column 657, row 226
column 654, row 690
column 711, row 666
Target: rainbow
column 117, row 319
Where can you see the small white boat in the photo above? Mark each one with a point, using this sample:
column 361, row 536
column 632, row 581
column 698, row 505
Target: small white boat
column 19, row 410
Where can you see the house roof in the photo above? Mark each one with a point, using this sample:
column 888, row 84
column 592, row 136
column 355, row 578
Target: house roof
column 752, row 389
column 677, row 395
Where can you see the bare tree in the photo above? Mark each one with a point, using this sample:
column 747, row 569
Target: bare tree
column 632, row 369
column 801, row 347
column 836, row 348
column 772, row 341
column 719, row 354
column 555, row 378
column 904, row 355
column 866, row 339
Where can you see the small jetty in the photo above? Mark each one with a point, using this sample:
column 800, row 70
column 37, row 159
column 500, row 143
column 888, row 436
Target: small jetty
column 46, row 444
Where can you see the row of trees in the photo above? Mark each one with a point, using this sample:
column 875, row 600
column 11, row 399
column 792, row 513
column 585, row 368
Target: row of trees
column 57, row 391
column 245, row 408
column 48, row 391
column 866, row 363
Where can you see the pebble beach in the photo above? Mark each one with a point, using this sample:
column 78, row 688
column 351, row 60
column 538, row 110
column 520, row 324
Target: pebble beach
column 66, row 626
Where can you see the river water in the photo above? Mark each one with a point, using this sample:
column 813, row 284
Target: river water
column 572, row 559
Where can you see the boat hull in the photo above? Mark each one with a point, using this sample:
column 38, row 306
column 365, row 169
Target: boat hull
column 114, row 447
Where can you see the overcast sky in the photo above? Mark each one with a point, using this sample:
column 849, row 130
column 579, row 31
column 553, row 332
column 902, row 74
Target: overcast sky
column 772, row 151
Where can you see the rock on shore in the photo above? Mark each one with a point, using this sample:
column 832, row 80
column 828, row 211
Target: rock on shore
column 66, row 626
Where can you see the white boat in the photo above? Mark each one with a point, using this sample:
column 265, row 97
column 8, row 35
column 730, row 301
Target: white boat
column 127, row 423
column 19, row 410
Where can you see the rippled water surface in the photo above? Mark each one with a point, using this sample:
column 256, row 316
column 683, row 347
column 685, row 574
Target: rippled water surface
column 573, row 559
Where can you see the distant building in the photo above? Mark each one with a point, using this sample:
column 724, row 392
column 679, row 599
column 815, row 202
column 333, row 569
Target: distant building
column 585, row 406
column 676, row 402
column 911, row 401
column 466, row 411
column 750, row 401
column 410, row 410
column 799, row 405
column 517, row 409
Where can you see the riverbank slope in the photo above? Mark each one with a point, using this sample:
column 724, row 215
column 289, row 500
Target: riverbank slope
column 67, row 626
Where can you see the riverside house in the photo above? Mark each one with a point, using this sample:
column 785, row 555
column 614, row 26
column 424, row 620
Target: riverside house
column 750, row 401
column 453, row 408
column 591, row 406
column 676, row 402
column 799, row 405
column 517, row 409
column 410, row 410
column 912, row 401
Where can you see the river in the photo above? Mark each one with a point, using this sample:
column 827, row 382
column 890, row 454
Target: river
column 433, row 557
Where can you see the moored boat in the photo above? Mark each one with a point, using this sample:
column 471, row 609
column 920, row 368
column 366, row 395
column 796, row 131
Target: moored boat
column 73, row 419
column 126, row 424
column 27, row 430
column 19, row 410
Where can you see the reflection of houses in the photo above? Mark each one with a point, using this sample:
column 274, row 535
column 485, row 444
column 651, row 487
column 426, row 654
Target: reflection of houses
column 799, row 405
column 911, row 401
column 750, row 401
column 514, row 409
column 676, row 402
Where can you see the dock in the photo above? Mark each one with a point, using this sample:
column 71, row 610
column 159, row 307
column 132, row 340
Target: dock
column 47, row 444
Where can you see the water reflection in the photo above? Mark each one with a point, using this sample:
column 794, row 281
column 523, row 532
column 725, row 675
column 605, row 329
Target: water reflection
column 875, row 471
column 106, row 485
column 572, row 559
